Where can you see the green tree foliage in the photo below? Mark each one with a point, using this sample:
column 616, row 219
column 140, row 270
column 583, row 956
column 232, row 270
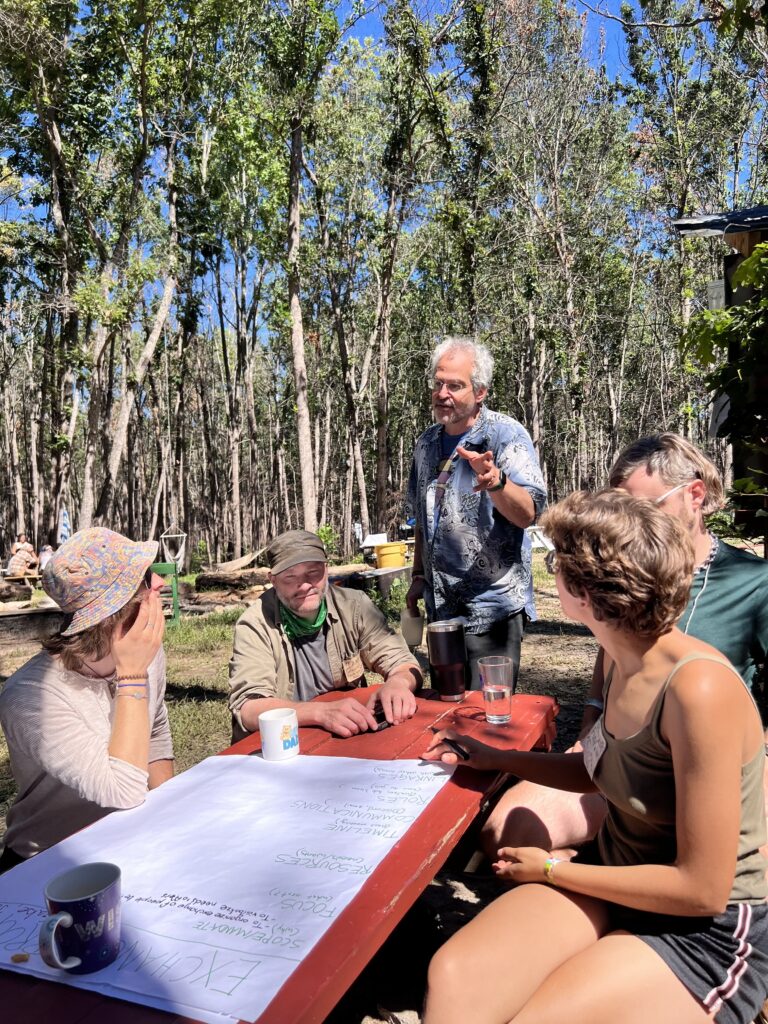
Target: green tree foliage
column 735, row 341
column 231, row 233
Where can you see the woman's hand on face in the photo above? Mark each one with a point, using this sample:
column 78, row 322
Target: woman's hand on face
column 521, row 864
column 481, row 756
column 134, row 650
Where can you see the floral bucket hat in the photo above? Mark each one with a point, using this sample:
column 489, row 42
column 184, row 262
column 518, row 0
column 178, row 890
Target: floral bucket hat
column 94, row 574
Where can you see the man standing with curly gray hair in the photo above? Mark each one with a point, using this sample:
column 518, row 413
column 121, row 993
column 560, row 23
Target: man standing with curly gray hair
column 475, row 485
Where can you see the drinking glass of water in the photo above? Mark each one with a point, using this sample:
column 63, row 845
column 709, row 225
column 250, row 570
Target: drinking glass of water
column 496, row 681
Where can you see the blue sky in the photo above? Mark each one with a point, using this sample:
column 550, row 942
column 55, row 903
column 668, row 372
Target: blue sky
column 370, row 25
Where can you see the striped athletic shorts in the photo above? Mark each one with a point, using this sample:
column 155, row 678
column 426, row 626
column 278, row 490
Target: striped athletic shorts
column 722, row 960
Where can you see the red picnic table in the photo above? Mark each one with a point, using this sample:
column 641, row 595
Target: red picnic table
column 329, row 969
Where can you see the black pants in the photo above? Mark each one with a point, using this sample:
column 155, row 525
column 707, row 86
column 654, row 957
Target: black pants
column 502, row 639
column 9, row 859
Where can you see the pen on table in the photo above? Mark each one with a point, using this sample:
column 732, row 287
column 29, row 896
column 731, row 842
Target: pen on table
column 455, row 747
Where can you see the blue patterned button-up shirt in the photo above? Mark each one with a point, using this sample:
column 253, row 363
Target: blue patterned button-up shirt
column 477, row 564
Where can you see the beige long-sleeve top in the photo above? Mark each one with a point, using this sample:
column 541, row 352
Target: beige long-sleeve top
column 58, row 725
column 263, row 660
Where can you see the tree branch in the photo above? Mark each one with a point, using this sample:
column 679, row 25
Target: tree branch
column 691, row 23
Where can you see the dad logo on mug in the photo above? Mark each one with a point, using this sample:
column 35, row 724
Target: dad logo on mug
column 279, row 729
column 82, row 934
column 289, row 736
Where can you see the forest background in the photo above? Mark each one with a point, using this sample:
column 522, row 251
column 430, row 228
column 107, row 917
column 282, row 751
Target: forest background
column 232, row 230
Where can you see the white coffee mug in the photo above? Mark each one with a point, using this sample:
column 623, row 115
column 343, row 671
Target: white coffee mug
column 279, row 730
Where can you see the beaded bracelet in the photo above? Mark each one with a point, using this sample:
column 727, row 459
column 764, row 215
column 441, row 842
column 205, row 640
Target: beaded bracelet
column 142, row 675
column 549, row 868
column 135, row 696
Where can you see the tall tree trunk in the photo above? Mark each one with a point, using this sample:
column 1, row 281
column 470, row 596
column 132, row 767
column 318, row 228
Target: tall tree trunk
column 347, row 532
column 303, row 421
column 391, row 237
column 128, row 399
column 93, row 422
column 12, row 454
column 352, row 394
column 234, row 427
column 324, row 462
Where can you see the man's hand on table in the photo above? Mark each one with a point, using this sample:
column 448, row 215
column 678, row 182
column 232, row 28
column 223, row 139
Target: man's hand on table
column 345, row 717
column 396, row 698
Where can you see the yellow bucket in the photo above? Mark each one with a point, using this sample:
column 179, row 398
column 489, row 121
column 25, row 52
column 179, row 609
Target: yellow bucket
column 390, row 556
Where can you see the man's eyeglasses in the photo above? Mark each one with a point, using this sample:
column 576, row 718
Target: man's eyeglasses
column 453, row 387
column 671, row 491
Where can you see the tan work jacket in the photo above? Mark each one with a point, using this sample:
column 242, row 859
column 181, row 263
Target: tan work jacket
column 358, row 638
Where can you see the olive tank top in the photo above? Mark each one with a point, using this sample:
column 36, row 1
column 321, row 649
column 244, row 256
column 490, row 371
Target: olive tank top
column 636, row 776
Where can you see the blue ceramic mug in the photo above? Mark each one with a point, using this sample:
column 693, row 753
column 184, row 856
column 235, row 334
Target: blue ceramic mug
column 82, row 934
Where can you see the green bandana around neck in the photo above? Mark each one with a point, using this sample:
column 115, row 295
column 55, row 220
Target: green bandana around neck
column 296, row 627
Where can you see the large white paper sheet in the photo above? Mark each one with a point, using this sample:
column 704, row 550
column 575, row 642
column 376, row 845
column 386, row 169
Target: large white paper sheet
column 231, row 873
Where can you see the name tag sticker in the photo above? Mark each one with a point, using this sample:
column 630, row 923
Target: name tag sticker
column 353, row 668
column 593, row 746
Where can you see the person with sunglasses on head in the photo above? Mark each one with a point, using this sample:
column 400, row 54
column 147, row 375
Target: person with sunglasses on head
column 475, row 485
column 664, row 917
column 727, row 607
column 85, row 719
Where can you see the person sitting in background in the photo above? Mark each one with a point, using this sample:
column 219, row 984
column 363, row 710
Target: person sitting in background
column 302, row 638
column 46, row 554
column 85, row 719
column 23, row 561
column 664, row 918
column 22, row 544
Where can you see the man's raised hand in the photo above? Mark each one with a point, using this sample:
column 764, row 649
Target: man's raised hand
column 483, row 466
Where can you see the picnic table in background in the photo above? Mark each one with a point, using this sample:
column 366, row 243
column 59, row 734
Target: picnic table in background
column 326, row 973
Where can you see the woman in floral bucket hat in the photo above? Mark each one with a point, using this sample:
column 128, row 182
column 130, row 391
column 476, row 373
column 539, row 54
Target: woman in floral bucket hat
column 85, row 719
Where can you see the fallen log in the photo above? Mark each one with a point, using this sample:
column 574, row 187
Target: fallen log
column 236, row 563
column 21, row 627
column 242, row 580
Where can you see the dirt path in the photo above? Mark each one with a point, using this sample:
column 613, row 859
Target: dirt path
column 557, row 660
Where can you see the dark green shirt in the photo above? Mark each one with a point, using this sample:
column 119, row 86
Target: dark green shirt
column 728, row 608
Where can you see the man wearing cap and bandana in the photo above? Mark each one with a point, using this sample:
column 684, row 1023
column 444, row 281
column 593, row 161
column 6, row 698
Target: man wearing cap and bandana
column 302, row 638
column 85, row 719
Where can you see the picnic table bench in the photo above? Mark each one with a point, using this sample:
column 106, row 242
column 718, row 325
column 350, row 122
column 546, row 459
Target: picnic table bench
column 30, row 577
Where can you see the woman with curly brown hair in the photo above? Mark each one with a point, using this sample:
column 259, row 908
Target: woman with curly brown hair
column 663, row 918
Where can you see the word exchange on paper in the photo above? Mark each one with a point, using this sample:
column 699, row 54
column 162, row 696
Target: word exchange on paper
column 231, row 873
